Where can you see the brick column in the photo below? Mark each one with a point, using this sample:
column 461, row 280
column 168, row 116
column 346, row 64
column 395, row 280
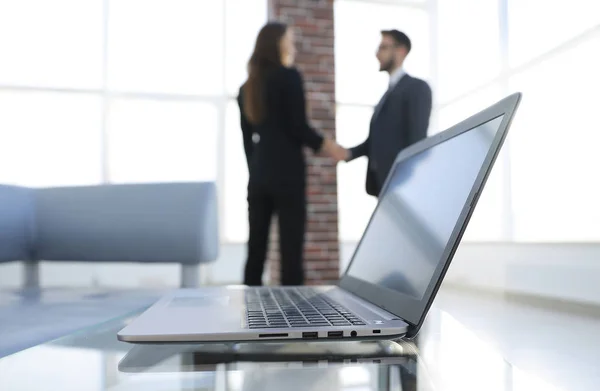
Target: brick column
column 312, row 21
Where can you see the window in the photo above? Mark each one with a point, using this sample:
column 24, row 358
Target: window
column 554, row 147
column 537, row 26
column 468, row 50
column 127, row 91
column 42, row 45
column 154, row 141
column 540, row 189
column 244, row 20
column 360, row 85
column 357, row 78
column 236, row 178
column 49, row 138
column 354, row 205
column 173, row 46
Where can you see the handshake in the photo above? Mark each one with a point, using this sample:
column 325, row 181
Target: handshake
column 335, row 151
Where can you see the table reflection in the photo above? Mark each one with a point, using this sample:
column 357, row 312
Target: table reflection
column 445, row 356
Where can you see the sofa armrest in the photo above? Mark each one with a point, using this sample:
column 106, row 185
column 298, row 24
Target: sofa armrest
column 165, row 222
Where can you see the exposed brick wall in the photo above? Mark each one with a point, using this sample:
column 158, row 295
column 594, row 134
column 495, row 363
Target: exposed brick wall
column 313, row 27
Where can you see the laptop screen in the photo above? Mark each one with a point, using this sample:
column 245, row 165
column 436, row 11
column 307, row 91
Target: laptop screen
column 418, row 211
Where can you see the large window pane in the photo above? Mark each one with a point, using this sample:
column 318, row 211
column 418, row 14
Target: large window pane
column 51, row 43
column 244, row 20
column 50, row 139
column 536, row 26
column 468, row 45
column 554, row 149
column 354, row 205
column 173, row 46
column 236, row 178
column 357, row 76
column 161, row 141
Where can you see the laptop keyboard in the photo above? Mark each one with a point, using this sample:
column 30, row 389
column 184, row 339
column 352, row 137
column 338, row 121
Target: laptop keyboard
column 294, row 307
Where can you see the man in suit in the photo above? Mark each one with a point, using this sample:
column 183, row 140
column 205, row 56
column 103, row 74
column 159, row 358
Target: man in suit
column 401, row 117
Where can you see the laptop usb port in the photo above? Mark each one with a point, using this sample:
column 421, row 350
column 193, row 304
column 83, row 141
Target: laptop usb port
column 335, row 334
column 310, row 334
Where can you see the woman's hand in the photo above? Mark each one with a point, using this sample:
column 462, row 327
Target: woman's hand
column 334, row 150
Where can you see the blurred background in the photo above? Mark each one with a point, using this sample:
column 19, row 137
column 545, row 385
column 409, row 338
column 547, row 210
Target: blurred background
column 144, row 91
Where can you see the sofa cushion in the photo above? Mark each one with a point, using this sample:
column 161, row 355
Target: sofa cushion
column 164, row 222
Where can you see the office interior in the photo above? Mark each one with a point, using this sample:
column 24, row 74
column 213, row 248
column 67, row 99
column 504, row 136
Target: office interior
column 134, row 92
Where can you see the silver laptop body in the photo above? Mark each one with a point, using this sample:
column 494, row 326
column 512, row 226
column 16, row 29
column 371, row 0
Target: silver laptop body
column 395, row 271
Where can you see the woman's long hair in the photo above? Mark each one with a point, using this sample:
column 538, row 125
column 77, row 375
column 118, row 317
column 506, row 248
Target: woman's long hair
column 266, row 56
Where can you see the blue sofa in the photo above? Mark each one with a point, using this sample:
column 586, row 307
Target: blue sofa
column 147, row 223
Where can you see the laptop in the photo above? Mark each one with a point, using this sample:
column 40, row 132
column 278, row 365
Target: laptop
column 394, row 273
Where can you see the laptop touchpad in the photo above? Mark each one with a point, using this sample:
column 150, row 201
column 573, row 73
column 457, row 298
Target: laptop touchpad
column 199, row 301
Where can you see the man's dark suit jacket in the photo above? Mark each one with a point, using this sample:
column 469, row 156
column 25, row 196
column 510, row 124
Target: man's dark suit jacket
column 276, row 162
column 400, row 119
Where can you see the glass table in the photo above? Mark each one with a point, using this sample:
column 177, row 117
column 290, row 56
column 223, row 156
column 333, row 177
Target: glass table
column 446, row 355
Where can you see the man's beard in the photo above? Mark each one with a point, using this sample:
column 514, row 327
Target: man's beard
column 387, row 66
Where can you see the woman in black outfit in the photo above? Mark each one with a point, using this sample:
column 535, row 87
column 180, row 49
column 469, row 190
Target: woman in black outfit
column 275, row 130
